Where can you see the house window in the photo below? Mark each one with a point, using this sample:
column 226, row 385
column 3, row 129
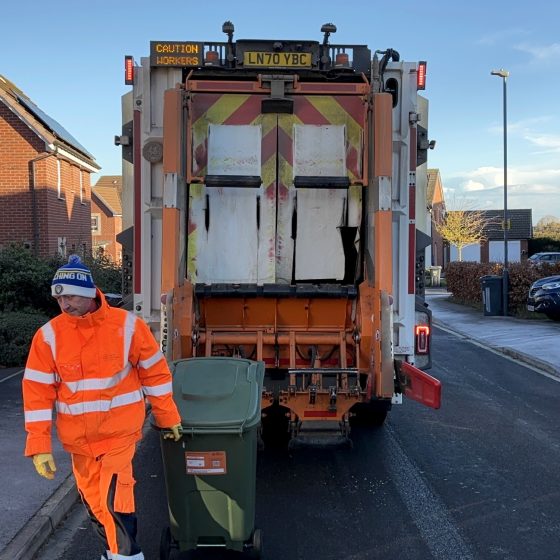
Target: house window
column 58, row 179
column 81, row 186
column 61, row 246
column 95, row 224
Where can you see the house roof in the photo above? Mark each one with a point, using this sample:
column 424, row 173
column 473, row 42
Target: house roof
column 432, row 179
column 520, row 223
column 48, row 129
column 108, row 190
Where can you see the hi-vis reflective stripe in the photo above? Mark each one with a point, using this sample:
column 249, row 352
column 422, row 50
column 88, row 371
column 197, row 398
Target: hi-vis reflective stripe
column 115, row 556
column 38, row 415
column 99, row 406
column 39, row 376
column 129, row 326
column 158, row 390
column 49, row 338
column 98, row 383
column 152, row 360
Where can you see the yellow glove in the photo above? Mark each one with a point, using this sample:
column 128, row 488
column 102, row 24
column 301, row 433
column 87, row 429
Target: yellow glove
column 174, row 432
column 44, row 465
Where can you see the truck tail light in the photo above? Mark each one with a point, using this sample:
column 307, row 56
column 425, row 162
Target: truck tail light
column 129, row 70
column 422, row 339
column 421, row 75
column 212, row 58
column 342, row 60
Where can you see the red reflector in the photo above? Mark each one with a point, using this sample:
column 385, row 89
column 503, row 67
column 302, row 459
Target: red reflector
column 421, row 75
column 212, row 58
column 319, row 413
column 128, row 70
column 342, row 60
column 422, row 339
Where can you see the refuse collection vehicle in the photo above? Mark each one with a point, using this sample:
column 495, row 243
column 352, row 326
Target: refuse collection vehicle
column 271, row 194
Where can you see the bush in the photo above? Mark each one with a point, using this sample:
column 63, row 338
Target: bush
column 106, row 274
column 463, row 280
column 16, row 332
column 25, row 281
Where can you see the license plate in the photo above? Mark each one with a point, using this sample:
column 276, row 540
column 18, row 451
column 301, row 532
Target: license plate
column 276, row 59
column 530, row 308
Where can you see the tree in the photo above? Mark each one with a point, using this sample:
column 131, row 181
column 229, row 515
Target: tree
column 548, row 227
column 462, row 227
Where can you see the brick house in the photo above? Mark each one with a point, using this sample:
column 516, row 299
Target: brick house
column 106, row 216
column 45, row 194
column 436, row 206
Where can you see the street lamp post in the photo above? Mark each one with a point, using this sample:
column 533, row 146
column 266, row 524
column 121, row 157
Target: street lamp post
column 505, row 285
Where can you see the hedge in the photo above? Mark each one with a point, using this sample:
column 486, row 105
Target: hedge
column 463, row 280
column 16, row 332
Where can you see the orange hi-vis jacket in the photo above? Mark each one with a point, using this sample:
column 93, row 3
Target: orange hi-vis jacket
column 95, row 370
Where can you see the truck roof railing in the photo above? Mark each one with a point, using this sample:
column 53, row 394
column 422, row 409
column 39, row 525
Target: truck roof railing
column 258, row 54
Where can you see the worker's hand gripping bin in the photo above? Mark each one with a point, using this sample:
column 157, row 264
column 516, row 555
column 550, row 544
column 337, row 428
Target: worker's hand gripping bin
column 210, row 473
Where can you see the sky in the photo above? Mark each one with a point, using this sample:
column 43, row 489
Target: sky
column 68, row 57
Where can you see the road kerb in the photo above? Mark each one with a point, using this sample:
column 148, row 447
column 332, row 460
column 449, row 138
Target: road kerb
column 38, row 529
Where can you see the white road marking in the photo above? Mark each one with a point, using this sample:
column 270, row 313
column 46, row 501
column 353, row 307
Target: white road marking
column 427, row 511
column 10, row 376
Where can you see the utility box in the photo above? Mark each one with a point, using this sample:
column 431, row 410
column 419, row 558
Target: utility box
column 210, row 473
column 492, row 291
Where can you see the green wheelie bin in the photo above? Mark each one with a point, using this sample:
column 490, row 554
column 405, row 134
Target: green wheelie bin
column 210, row 474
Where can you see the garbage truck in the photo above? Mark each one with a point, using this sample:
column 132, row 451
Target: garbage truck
column 270, row 199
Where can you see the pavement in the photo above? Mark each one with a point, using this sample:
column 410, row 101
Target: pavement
column 533, row 341
column 40, row 505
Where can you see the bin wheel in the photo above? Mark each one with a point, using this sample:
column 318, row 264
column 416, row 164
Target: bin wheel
column 166, row 544
column 257, row 544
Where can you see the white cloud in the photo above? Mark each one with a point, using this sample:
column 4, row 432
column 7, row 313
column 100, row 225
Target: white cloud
column 471, row 185
column 541, row 53
column 549, row 142
column 500, row 36
column 528, row 187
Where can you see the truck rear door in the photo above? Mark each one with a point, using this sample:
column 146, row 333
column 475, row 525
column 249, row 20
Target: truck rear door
column 274, row 198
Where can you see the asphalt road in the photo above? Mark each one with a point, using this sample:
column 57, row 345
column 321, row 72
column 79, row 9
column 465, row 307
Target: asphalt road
column 477, row 479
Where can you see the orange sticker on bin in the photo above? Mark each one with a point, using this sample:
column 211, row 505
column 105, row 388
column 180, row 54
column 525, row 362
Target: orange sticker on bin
column 206, row 462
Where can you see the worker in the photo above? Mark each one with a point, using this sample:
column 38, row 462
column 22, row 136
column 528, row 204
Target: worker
column 94, row 363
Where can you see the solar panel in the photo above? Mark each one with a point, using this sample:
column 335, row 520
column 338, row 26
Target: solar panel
column 53, row 125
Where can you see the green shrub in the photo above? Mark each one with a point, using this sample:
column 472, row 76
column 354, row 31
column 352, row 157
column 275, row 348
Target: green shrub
column 106, row 274
column 24, row 281
column 16, row 332
column 463, row 280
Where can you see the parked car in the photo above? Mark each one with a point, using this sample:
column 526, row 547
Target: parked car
column 540, row 258
column 544, row 297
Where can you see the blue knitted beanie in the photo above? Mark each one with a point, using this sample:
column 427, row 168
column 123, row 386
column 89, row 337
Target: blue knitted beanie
column 73, row 279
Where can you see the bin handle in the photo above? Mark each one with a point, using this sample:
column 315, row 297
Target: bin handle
column 198, row 431
column 165, row 431
column 220, row 431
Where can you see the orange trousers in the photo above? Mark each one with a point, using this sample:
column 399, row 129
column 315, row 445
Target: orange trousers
column 106, row 486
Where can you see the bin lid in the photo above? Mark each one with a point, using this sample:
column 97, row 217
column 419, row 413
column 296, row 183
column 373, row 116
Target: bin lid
column 216, row 392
